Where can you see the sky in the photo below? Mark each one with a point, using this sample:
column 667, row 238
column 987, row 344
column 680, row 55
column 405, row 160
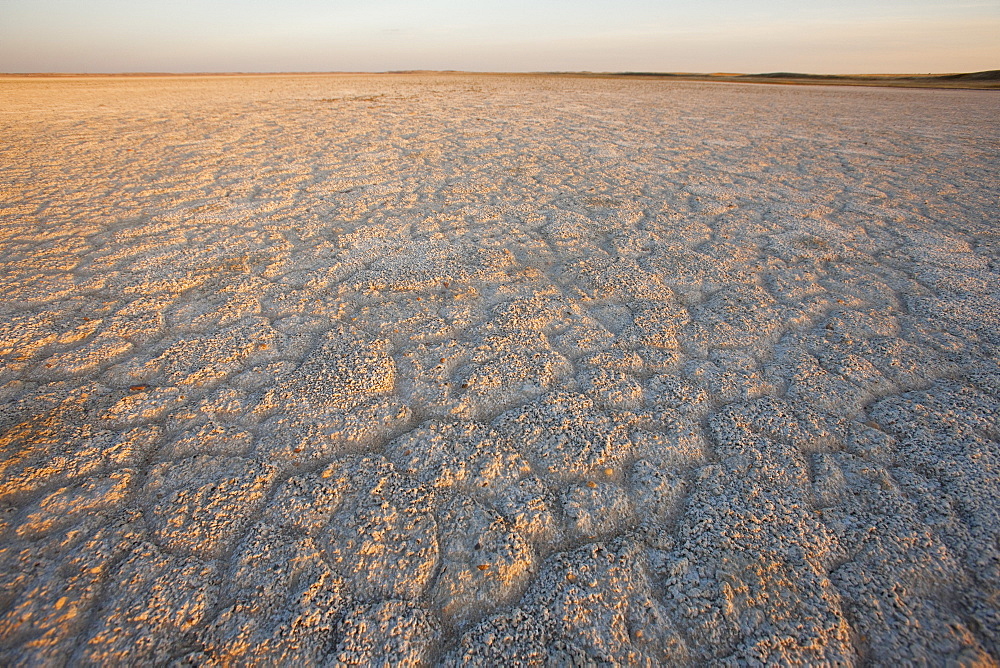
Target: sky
column 819, row 36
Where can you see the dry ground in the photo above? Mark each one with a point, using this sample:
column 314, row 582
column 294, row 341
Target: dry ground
column 479, row 370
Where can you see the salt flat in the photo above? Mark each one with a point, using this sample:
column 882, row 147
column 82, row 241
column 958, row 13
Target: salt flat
column 482, row 370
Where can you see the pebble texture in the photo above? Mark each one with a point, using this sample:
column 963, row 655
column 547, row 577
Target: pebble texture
column 485, row 370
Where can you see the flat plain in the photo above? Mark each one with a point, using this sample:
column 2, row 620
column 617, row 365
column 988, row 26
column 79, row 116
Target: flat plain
column 497, row 370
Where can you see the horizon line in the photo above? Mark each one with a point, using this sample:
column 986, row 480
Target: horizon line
column 979, row 80
column 786, row 73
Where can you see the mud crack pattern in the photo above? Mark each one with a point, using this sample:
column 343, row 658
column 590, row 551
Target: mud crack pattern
column 483, row 370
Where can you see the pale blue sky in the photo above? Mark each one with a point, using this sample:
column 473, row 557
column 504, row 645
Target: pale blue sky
column 510, row 35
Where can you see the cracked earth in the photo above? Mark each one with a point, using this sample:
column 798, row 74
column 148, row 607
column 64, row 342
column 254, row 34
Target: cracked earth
column 485, row 370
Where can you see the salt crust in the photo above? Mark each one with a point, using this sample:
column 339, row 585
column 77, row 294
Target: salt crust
column 461, row 370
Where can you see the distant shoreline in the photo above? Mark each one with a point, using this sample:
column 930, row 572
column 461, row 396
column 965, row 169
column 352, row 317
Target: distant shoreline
column 989, row 79
column 985, row 80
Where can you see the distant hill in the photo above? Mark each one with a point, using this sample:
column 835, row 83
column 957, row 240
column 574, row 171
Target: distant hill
column 793, row 75
column 988, row 79
column 987, row 75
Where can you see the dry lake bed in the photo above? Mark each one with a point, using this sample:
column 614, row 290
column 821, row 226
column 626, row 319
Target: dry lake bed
column 487, row 370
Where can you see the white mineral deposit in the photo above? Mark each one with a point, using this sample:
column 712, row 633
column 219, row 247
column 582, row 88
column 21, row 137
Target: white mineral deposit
column 487, row 370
